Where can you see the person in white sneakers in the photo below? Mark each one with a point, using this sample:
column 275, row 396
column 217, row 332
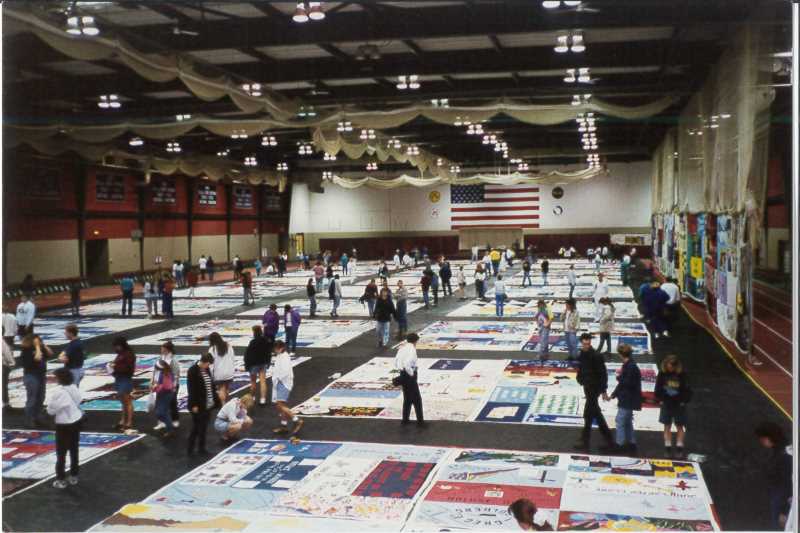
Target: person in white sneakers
column 64, row 404
column 599, row 291
column 232, row 419
column 282, row 383
column 224, row 364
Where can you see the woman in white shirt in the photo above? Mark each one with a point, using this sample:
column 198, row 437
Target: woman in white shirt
column 461, row 281
column 499, row 295
column 599, row 292
column 64, row 404
column 232, row 419
column 224, row 364
column 282, row 383
column 406, row 362
column 480, row 282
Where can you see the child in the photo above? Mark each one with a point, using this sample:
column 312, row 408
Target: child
column 65, row 405
column 164, row 388
column 673, row 391
column 232, row 419
column 778, row 472
column 524, row 512
column 282, row 382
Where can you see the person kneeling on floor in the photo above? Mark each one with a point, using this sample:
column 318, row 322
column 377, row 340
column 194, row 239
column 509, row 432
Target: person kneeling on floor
column 282, row 383
column 232, row 419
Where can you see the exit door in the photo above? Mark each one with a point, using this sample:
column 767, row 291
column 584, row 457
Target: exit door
column 97, row 267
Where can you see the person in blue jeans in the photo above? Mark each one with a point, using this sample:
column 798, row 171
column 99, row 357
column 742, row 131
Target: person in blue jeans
column 33, row 356
column 499, row 295
column 164, row 389
column 526, row 273
column 384, row 311
column 291, row 323
column 72, row 356
column 628, row 394
column 425, row 282
column 544, row 319
column 572, row 323
column 126, row 285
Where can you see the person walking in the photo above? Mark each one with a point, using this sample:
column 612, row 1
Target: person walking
column 72, row 355
column 344, row 261
column 291, row 324
column 401, row 308
column 33, row 357
column 778, row 472
column 282, row 384
column 628, row 394
column 461, row 281
column 191, row 281
column 545, row 266
column 480, row 281
column 572, row 323
column 311, row 292
column 163, row 386
column 654, row 304
column 544, row 319
column 26, row 313
column 247, row 288
column 203, row 264
column 151, row 298
column 446, row 273
column 425, row 283
column 572, row 279
column 599, row 291
column 335, row 294
column 593, row 377
column 319, row 272
column 232, row 419
column 500, row 295
column 257, row 360
column 122, row 369
column 168, row 356
column 202, row 398
column 224, row 367
column 406, row 362
column 434, row 286
column 65, row 406
column 606, row 324
column 673, row 391
column 384, row 311
column 271, row 322
column 166, row 297
column 495, row 255
column 369, row 296
column 75, row 298
column 526, row 272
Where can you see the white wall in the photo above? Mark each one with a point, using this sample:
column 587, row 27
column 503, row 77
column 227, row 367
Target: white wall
column 619, row 200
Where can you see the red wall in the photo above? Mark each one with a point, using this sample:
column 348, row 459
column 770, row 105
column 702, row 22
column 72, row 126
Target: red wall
column 109, row 228
column 209, row 227
column 165, row 227
column 242, row 227
column 24, row 228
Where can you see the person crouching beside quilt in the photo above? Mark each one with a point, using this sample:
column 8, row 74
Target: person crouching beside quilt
column 232, row 419
column 406, row 362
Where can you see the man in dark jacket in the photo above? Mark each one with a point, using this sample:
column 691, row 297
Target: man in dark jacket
column 445, row 273
column 593, row 377
column 384, row 311
column 202, row 399
column 629, row 399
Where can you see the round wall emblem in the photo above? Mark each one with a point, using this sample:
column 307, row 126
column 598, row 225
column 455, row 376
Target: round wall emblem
column 558, row 192
column 434, row 196
column 435, row 212
column 558, row 210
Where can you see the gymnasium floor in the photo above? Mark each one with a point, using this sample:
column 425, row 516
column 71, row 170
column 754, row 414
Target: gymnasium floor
column 725, row 409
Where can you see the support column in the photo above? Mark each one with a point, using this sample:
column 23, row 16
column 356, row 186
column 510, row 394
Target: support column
column 260, row 208
column 141, row 190
column 190, row 190
column 228, row 216
column 81, row 169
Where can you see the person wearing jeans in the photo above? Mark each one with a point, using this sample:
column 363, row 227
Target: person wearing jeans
column 499, row 295
column 572, row 279
column 572, row 322
column 202, row 399
column 480, row 281
column 425, row 282
column 291, row 323
column 544, row 318
column 384, row 311
column 126, row 285
column 64, row 404
column 33, row 355
column 628, row 394
column 164, row 389
column 526, row 273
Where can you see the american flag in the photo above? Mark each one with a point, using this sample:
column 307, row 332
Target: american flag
column 508, row 206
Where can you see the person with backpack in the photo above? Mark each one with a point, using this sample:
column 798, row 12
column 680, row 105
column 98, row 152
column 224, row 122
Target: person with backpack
column 628, row 394
column 65, row 405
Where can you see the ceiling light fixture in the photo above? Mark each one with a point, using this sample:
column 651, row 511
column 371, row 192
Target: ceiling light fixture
column 440, row 102
column 282, row 166
column 300, row 14
column 253, row 89
column 394, row 143
column 181, row 118
column 109, row 101
column 372, row 166
column 570, row 77
column 173, row 147
column 224, row 153
column 344, row 125
column 583, row 75
column 455, row 169
column 250, row 161
column 304, row 149
column 329, row 157
column 269, row 140
column 562, row 46
column 82, row 25
column 412, row 150
column 578, row 45
column 367, row 134
column 315, row 11
column 327, row 175
column 367, row 51
column 136, row 141
column 239, row 134
column 408, row 82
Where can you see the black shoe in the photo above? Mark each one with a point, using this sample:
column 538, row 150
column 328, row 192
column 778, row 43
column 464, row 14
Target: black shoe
column 422, row 425
column 680, row 453
column 581, row 446
column 668, row 452
column 404, row 422
column 610, row 449
column 631, row 450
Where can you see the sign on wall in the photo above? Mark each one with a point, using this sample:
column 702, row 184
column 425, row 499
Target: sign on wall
column 109, row 188
column 242, row 197
column 272, row 200
column 207, row 194
column 164, row 191
column 43, row 184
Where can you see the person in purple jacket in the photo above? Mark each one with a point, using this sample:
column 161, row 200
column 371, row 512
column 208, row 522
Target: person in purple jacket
column 271, row 322
column 291, row 323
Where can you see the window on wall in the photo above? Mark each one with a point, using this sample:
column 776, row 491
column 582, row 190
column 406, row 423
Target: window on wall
column 109, row 188
column 242, row 197
column 164, row 191
column 207, row 194
column 42, row 183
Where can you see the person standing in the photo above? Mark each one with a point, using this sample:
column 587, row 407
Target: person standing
column 606, row 324
column 151, row 298
column 210, row 267
column 258, row 265
column 509, row 256
column 425, row 283
column 461, row 280
column 203, row 264
column 673, row 305
column 191, row 281
column 673, row 391
column 65, row 406
column 122, row 369
column 406, row 362
column 291, row 324
column 282, row 384
column 401, row 309
column 33, row 356
column 598, row 259
column 544, row 319
column 599, row 291
column 628, row 394
column 311, row 292
column 545, row 266
column 480, row 281
column 202, row 399
column 237, row 266
column 319, row 272
column 446, row 273
column 526, row 272
column 166, row 297
column 351, row 266
column 384, row 311
column 224, row 367
column 369, row 296
column 475, row 250
column 344, row 261
column 163, row 386
column 26, row 312
column 434, row 286
column 72, row 356
column 396, row 259
column 572, row 279
column 778, row 472
column 335, row 294
column 247, row 288
column 604, row 254
column 500, row 295
column 126, row 285
column 180, row 273
column 75, row 298
column 654, row 303
column 282, row 264
column 271, row 322
column 572, row 323
column 487, row 262
column 257, row 359
column 9, row 330
column 593, row 377
column 495, row 255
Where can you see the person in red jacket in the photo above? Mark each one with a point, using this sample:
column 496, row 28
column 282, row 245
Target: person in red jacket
column 191, row 279
column 122, row 369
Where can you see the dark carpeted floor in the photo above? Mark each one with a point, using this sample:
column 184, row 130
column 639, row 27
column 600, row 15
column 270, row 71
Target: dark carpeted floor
column 725, row 409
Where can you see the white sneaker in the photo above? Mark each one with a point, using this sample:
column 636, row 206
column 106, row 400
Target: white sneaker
column 176, row 424
column 160, row 425
column 262, row 401
column 60, row 484
column 291, row 354
column 72, row 480
column 665, row 333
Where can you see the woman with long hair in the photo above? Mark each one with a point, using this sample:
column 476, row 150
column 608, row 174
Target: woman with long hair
column 122, row 369
column 224, row 364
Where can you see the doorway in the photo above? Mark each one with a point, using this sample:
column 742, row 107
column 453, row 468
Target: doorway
column 97, row 267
